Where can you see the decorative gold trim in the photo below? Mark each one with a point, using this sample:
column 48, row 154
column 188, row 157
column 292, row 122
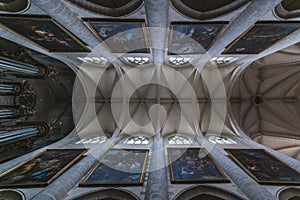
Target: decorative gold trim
column 88, row 22
column 236, row 160
column 252, row 27
column 41, row 184
column 223, row 25
column 43, row 18
column 84, row 184
column 223, row 180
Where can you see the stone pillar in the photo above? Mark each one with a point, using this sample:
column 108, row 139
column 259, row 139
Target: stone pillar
column 157, row 185
column 157, row 15
column 158, row 21
column 251, row 14
column 62, row 185
column 241, row 179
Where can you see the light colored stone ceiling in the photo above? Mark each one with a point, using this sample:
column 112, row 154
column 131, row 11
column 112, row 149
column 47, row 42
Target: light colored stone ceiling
column 175, row 96
column 278, row 85
column 206, row 87
column 275, row 121
column 160, row 99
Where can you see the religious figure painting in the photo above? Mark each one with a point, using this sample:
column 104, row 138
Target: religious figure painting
column 263, row 167
column 128, row 36
column 42, row 169
column 193, row 38
column 261, row 36
column 43, row 32
column 118, row 167
column 194, row 165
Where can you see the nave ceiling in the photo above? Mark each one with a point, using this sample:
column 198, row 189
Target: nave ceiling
column 228, row 94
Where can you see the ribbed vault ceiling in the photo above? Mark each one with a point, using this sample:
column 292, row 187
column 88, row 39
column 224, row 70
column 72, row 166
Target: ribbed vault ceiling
column 274, row 120
column 279, row 88
column 264, row 101
column 176, row 102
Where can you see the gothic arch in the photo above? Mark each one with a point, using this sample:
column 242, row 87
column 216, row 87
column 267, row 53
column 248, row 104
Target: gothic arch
column 113, row 8
column 289, row 194
column 288, row 9
column 179, row 139
column 11, row 194
column 14, row 6
column 108, row 194
column 206, row 10
column 207, row 193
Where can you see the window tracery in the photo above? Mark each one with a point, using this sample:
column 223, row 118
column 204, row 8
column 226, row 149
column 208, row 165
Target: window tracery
column 220, row 140
column 137, row 140
column 180, row 61
column 222, row 60
column 137, row 60
column 179, row 140
column 95, row 140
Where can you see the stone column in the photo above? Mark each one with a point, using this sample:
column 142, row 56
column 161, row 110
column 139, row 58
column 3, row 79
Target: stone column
column 62, row 185
column 157, row 12
column 157, row 185
column 241, row 179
